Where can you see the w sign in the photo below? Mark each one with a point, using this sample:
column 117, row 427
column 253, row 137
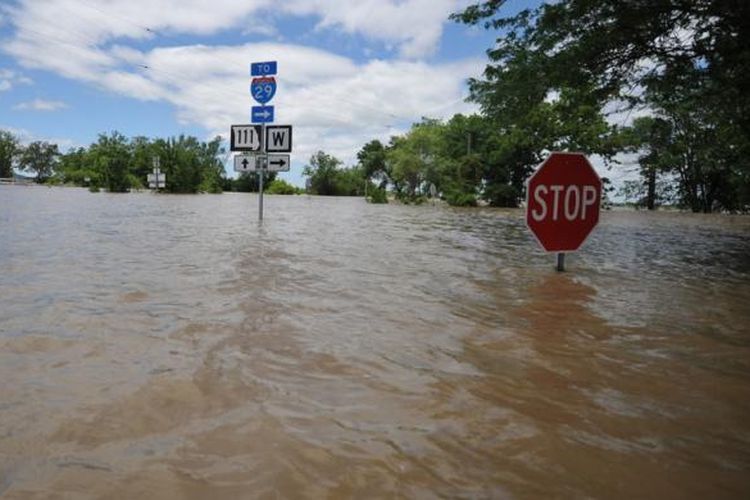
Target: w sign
column 278, row 138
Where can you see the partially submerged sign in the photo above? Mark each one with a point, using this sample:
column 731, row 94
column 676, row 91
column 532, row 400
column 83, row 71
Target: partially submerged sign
column 157, row 179
column 562, row 202
column 262, row 140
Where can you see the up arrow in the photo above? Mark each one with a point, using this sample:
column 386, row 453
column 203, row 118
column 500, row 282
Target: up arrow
column 244, row 162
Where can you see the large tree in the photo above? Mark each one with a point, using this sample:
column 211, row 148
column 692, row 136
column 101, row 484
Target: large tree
column 653, row 139
column 9, row 147
column 599, row 53
column 372, row 161
column 111, row 157
column 613, row 46
column 40, row 158
column 322, row 171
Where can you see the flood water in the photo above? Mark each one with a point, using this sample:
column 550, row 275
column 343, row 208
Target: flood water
column 156, row 346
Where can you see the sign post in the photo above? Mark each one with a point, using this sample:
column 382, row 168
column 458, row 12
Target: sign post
column 562, row 203
column 156, row 180
column 257, row 140
column 262, row 88
column 260, row 192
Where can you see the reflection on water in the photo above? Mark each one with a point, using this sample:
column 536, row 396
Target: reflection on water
column 173, row 347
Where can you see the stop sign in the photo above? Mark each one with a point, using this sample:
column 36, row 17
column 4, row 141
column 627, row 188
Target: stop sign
column 562, row 201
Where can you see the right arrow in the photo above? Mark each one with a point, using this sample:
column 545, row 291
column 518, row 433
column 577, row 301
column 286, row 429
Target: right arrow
column 280, row 162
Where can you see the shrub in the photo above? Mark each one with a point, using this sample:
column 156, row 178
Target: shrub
column 280, row 186
column 459, row 199
column 377, row 195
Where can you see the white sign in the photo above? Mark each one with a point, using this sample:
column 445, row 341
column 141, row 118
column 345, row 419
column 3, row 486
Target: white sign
column 246, row 163
column 279, row 139
column 278, row 163
column 255, row 163
column 246, row 138
column 157, row 179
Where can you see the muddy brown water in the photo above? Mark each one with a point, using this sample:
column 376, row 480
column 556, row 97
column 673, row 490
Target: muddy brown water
column 173, row 347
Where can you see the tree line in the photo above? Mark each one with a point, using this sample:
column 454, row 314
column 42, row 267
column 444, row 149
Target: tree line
column 119, row 164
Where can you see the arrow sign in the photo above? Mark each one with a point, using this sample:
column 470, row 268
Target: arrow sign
column 261, row 114
column 263, row 89
column 263, row 68
column 246, row 163
column 278, row 163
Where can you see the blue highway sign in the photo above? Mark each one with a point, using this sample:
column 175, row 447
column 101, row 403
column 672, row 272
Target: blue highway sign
column 263, row 88
column 261, row 114
column 263, row 68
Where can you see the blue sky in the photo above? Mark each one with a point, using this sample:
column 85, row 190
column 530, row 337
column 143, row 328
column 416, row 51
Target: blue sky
column 349, row 71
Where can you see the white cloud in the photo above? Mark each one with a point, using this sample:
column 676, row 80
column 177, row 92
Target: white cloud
column 415, row 25
column 334, row 103
column 10, row 78
column 412, row 26
column 40, row 105
column 26, row 137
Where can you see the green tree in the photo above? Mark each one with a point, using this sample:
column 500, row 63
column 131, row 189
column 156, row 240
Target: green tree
column 249, row 182
column 40, row 158
column 142, row 154
column 9, row 148
column 111, row 158
column 592, row 53
column 708, row 153
column 372, row 161
column 417, row 159
column 280, row 186
column 653, row 138
column 212, row 166
column 322, row 171
column 76, row 166
column 602, row 45
column 180, row 162
column 191, row 166
column 350, row 182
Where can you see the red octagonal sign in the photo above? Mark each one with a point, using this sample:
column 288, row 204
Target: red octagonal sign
column 562, row 201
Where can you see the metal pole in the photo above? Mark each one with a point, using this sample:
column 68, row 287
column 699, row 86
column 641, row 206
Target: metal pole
column 561, row 261
column 262, row 168
column 260, row 199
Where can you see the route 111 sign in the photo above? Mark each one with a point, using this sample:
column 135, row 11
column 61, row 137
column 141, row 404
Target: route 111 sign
column 246, row 138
